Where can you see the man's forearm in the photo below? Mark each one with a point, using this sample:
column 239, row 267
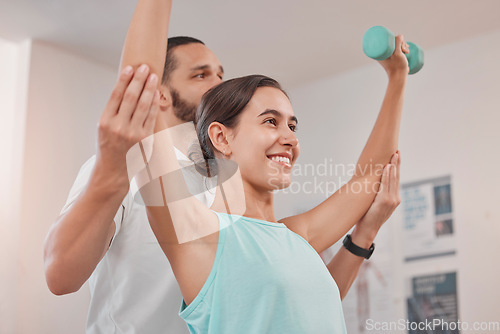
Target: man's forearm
column 78, row 240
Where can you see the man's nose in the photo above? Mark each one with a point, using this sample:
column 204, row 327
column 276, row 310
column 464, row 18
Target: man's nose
column 215, row 80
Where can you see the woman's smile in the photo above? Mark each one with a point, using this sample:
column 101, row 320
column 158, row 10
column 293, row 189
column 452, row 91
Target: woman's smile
column 281, row 159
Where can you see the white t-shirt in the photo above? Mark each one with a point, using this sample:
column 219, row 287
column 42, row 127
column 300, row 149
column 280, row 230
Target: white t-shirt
column 133, row 288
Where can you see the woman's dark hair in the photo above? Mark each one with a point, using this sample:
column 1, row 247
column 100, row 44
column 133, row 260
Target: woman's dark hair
column 223, row 103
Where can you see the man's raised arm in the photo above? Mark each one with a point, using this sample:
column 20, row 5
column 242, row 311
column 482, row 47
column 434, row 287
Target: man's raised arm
column 80, row 237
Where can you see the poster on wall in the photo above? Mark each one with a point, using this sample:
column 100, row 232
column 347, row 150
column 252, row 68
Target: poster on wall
column 432, row 305
column 428, row 226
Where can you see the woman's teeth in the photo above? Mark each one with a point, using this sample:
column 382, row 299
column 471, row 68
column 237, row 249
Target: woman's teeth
column 281, row 159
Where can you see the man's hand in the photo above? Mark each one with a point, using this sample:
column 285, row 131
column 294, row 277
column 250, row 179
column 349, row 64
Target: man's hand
column 78, row 240
column 128, row 118
column 387, row 200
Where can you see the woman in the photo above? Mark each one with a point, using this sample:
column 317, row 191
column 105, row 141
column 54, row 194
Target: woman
column 247, row 272
column 189, row 233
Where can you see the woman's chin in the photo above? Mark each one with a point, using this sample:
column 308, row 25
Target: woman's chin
column 278, row 184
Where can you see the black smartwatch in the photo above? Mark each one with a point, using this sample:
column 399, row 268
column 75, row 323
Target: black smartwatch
column 356, row 250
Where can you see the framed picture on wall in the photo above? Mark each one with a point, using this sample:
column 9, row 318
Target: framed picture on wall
column 428, row 225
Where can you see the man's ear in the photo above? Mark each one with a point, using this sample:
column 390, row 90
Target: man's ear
column 165, row 98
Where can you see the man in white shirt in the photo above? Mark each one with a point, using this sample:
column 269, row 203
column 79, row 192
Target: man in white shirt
column 103, row 234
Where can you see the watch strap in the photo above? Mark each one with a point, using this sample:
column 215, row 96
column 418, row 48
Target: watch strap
column 356, row 250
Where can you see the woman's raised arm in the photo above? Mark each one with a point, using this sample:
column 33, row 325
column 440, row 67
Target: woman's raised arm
column 146, row 41
column 325, row 224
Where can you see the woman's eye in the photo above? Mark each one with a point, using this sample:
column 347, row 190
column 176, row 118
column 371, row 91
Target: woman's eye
column 272, row 120
column 293, row 128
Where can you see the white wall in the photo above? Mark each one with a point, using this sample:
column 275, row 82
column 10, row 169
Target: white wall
column 450, row 126
column 14, row 74
column 66, row 95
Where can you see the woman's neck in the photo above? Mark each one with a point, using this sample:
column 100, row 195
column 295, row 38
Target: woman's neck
column 259, row 203
column 238, row 196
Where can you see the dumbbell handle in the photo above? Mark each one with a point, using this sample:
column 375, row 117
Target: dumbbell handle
column 379, row 43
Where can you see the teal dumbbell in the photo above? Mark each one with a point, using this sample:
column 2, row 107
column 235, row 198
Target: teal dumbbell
column 379, row 43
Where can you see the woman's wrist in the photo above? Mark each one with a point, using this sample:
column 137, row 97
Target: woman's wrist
column 364, row 236
column 398, row 76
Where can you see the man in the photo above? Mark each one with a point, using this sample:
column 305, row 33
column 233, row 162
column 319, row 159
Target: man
column 103, row 235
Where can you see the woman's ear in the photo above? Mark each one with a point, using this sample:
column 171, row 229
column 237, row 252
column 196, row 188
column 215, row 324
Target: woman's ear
column 218, row 134
column 165, row 98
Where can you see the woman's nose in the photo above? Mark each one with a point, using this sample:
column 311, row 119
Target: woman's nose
column 288, row 137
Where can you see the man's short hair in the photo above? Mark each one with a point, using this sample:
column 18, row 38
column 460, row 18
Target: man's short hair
column 170, row 61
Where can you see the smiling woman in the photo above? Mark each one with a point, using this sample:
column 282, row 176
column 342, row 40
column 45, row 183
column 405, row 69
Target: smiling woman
column 250, row 121
column 248, row 273
column 229, row 114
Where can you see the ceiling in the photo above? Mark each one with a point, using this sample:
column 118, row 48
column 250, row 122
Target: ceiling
column 292, row 40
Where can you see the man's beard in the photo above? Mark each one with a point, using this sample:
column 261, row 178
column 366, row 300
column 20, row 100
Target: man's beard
column 183, row 109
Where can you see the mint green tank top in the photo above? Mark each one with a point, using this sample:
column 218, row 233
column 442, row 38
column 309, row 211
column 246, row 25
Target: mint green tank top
column 264, row 279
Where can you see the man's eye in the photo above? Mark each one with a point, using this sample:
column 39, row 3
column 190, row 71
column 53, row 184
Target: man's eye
column 201, row 75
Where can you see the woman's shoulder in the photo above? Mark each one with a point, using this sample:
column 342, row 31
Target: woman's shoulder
column 297, row 224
